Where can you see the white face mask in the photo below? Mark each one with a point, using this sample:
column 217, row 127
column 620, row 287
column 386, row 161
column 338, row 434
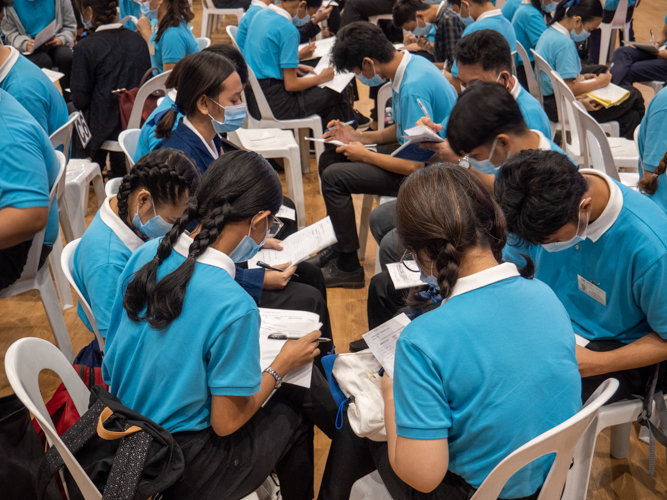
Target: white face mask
column 577, row 238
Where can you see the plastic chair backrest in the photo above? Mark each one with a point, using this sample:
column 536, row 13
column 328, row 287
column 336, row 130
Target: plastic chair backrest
column 598, row 153
column 67, row 263
column 384, row 94
column 565, row 103
column 232, row 31
column 561, row 440
column 24, row 361
column 541, row 66
column 203, row 42
column 620, row 14
column 155, row 83
column 635, row 136
column 112, row 186
column 533, row 85
column 262, row 103
column 63, row 136
column 128, row 140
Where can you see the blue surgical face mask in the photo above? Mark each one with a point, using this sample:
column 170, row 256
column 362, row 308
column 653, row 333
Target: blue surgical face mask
column 147, row 12
column 298, row 21
column 577, row 238
column 376, row 81
column 580, row 37
column 430, row 279
column 422, row 31
column 248, row 247
column 154, row 228
column 467, row 21
column 234, row 118
column 550, row 7
column 486, row 166
column 86, row 24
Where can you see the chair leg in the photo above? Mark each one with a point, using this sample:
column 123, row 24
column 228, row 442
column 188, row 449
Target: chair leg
column 295, row 184
column 47, row 292
column 605, row 39
column 204, row 25
column 576, row 485
column 64, row 290
column 619, row 443
column 304, row 148
column 65, row 221
column 364, row 224
column 98, row 186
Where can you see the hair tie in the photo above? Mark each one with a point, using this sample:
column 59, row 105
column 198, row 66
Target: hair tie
column 655, row 176
column 175, row 109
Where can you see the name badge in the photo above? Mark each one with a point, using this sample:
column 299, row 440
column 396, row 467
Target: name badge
column 592, row 291
column 151, row 49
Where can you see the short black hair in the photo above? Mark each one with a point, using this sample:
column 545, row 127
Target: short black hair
column 358, row 40
column 404, row 11
column 233, row 54
column 539, row 192
column 495, row 112
column 488, row 48
column 6, row 3
column 313, row 4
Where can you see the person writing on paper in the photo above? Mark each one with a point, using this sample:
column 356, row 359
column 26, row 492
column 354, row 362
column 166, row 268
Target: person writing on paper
column 25, row 19
column 171, row 39
column 439, row 443
column 183, row 345
column 655, row 187
column 602, row 247
column 632, row 65
column 292, row 91
column 572, row 23
column 418, row 89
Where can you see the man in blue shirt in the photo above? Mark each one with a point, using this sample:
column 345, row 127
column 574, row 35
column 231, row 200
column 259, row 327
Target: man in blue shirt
column 418, row 89
column 602, row 248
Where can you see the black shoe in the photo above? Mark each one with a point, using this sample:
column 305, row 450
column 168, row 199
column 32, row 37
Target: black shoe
column 323, row 257
column 363, row 122
column 335, row 278
column 358, row 345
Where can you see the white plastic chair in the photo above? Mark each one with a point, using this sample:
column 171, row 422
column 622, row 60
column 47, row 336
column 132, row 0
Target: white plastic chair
column 63, row 137
column 542, row 66
column 598, row 153
column 232, row 31
column 635, row 136
column 618, row 22
column 112, row 186
column 203, row 42
column 128, row 140
column 210, row 10
column 561, row 440
column 38, row 278
column 300, row 126
column 24, row 361
column 67, row 262
column 375, row 19
column 533, row 85
column 565, row 101
column 276, row 143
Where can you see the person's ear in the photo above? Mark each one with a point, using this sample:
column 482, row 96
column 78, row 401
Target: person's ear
column 203, row 105
column 143, row 199
column 505, row 77
column 302, row 7
column 578, row 23
column 92, row 14
column 587, row 205
column 419, row 16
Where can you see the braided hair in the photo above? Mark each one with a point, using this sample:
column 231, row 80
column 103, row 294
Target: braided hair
column 442, row 211
column 236, row 187
column 586, row 9
column 650, row 186
column 165, row 173
column 104, row 11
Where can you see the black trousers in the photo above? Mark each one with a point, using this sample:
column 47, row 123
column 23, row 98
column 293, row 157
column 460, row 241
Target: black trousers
column 632, row 65
column 342, row 178
column 278, row 437
column 361, row 10
column 55, row 57
column 327, row 103
column 384, row 301
column 596, row 35
column 13, row 260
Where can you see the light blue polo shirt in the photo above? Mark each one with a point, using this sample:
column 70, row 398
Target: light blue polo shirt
column 129, row 8
column 430, row 36
column 147, row 140
column 558, row 49
column 510, row 8
column 35, row 16
column 477, row 372
column 242, row 32
column 532, row 111
column 32, row 88
column 418, row 78
column 496, row 22
column 625, row 253
column 652, row 139
column 528, row 23
column 612, row 5
column 99, row 260
column 175, row 44
column 272, row 44
column 28, row 163
column 660, row 195
column 212, row 348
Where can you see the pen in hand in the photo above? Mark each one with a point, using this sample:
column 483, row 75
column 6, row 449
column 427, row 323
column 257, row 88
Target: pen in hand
column 423, row 108
column 282, row 336
column 346, row 123
column 266, row 266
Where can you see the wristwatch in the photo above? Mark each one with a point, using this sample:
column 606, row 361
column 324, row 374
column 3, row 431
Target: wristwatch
column 274, row 374
column 464, row 162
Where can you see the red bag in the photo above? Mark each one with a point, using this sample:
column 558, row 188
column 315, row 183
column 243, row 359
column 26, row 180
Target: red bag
column 126, row 100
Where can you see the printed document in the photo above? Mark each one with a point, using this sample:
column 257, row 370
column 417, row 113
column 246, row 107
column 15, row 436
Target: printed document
column 382, row 341
column 403, row 277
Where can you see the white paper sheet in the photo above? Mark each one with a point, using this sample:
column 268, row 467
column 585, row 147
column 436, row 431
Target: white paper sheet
column 322, row 47
column 336, row 142
column 382, row 341
column 611, row 93
column 340, row 80
column 299, row 246
column 286, row 213
column 581, row 340
column 44, row 36
column 54, row 76
column 293, row 323
column 403, row 277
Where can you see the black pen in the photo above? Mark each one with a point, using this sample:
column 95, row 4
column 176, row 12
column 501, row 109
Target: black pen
column 282, row 336
column 266, row 266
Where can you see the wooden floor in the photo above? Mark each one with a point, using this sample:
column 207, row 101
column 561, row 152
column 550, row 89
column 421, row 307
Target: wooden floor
column 625, row 479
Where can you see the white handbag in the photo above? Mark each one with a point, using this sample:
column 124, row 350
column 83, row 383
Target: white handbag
column 357, row 376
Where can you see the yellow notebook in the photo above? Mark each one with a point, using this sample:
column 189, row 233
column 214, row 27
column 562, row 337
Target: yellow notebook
column 611, row 95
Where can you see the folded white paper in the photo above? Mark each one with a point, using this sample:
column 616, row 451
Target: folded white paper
column 382, row 341
column 581, row 340
column 286, row 213
column 403, row 277
column 54, row 76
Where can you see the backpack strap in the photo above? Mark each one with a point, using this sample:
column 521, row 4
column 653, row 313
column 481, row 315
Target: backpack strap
column 644, row 418
column 128, row 465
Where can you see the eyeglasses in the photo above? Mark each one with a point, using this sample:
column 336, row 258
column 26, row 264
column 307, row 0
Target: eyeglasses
column 275, row 228
column 410, row 262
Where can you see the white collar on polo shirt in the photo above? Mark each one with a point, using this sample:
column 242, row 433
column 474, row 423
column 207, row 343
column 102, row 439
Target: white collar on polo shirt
column 400, row 71
column 610, row 213
column 113, row 26
column 441, row 7
column 9, row 63
column 490, row 13
column 516, row 90
column 210, row 257
column 545, row 143
column 259, row 3
column 561, row 29
column 484, row 278
column 120, row 229
column 280, row 11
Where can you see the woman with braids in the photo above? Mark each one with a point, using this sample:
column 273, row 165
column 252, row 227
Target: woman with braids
column 499, row 346
column 110, row 57
column 150, row 199
column 183, row 345
column 654, row 186
column 171, row 38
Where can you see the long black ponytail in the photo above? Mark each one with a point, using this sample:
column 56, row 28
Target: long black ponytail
column 586, row 9
column 235, row 187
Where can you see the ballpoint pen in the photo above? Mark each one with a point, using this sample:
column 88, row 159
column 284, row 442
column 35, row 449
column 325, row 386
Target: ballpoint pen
column 266, row 266
column 335, row 127
column 423, row 108
column 282, row 336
